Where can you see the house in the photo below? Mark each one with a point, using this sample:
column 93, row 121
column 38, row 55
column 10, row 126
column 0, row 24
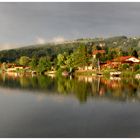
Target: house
column 95, row 52
column 122, row 60
column 126, row 59
column 101, row 44
column 13, row 68
column 87, row 67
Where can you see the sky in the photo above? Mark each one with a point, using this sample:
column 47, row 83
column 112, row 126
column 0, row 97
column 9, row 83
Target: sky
column 30, row 23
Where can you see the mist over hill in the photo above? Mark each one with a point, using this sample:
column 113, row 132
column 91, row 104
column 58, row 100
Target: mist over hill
column 52, row 49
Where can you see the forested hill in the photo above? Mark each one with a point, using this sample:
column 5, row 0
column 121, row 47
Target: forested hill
column 52, row 50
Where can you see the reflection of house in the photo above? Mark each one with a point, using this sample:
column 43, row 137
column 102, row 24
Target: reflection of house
column 95, row 52
column 85, row 79
column 112, row 84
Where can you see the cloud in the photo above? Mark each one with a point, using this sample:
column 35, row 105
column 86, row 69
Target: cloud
column 40, row 40
column 6, row 46
column 58, row 39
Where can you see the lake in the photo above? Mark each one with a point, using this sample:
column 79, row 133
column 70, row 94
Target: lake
column 42, row 106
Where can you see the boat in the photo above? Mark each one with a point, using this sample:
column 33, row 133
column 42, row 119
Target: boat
column 51, row 73
column 99, row 73
column 115, row 74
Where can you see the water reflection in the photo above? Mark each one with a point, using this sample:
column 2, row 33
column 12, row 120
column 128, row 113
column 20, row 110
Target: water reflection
column 81, row 87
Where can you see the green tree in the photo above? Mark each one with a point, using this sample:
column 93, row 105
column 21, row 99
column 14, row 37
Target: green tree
column 136, row 67
column 125, row 66
column 70, row 62
column 44, row 64
column 135, row 54
column 60, row 59
column 34, row 63
column 112, row 54
column 80, row 58
column 24, row 60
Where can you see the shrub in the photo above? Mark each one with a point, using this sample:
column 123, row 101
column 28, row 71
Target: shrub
column 136, row 67
column 125, row 66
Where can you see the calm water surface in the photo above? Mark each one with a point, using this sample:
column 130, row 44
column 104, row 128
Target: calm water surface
column 63, row 107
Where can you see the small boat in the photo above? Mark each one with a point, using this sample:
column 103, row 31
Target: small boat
column 115, row 74
column 51, row 72
column 99, row 73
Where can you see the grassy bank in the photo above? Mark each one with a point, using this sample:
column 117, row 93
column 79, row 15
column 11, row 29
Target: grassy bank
column 85, row 73
column 106, row 73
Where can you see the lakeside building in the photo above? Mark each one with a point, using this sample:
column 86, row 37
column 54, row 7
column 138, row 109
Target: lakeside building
column 115, row 63
column 95, row 52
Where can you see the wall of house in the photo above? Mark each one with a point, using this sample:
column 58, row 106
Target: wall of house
column 88, row 67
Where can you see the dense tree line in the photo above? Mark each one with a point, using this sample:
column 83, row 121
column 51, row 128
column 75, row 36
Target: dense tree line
column 72, row 55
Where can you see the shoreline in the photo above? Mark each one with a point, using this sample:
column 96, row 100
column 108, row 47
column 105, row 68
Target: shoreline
column 77, row 73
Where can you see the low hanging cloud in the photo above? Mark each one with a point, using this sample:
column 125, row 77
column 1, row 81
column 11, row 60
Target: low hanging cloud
column 40, row 40
column 6, row 46
column 58, row 39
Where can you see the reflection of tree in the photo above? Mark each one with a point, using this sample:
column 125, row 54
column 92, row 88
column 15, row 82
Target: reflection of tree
column 34, row 82
column 61, row 85
column 24, row 82
column 81, row 91
column 122, row 89
column 44, row 82
column 82, row 88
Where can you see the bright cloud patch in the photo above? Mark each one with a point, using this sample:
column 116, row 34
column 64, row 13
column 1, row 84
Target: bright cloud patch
column 40, row 40
column 58, row 39
column 6, row 46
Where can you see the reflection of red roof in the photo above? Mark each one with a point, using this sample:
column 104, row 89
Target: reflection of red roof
column 98, row 51
column 123, row 58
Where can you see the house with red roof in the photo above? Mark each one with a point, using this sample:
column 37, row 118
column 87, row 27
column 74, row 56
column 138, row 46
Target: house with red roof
column 95, row 52
column 122, row 60
column 126, row 59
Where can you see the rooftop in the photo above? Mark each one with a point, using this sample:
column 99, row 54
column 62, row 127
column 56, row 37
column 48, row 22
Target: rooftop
column 98, row 51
